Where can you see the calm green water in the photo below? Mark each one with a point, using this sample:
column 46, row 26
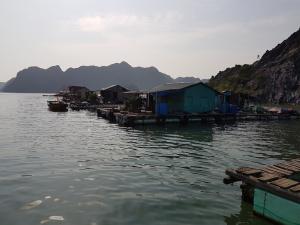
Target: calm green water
column 88, row 171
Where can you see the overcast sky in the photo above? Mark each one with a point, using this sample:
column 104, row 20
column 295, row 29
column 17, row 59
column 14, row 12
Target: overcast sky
column 179, row 37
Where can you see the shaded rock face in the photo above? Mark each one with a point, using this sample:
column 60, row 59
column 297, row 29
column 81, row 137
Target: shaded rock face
column 1, row 85
column 53, row 79
column 274, row 78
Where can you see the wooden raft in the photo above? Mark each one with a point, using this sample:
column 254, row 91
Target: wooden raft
column 276, row 179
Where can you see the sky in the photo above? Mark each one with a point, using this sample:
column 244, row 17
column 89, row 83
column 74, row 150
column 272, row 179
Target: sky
column 179, row 37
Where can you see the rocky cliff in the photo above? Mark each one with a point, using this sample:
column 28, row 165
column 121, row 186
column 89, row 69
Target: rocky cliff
column 273, row 78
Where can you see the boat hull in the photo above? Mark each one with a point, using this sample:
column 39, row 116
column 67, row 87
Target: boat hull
column 55, row 106
column 276, row 208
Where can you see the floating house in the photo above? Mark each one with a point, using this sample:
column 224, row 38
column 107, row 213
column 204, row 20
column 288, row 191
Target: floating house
column 231, row 102
column 78, row 91
column 183, row 98
column 136, row 101
column 113, row 94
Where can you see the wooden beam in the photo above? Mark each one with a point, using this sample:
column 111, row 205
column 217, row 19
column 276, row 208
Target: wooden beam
column 267, row 177
column 284, row 183
column 284, row 193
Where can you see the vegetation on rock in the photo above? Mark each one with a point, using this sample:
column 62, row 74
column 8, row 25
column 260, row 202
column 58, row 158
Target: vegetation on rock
column 274, row 78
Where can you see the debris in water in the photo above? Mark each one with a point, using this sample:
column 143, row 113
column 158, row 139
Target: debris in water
column 89, row 178
column 86, row 160
column 32, row 205
column 91, row 203
column 87, row 168
column 56, row 218
column 44, row 221
column 48, row 197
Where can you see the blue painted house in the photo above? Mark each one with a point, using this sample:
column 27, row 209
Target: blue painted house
column 179, row 98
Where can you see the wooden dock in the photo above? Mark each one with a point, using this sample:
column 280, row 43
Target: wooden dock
column 132, row 119
column 274, row 190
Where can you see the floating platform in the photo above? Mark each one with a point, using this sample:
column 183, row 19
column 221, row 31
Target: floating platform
column 132, row 119
column 273, row 190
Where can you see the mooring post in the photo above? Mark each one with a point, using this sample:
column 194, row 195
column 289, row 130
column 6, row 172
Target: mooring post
column 247, row 192
column 160, row 120
column 183, row 119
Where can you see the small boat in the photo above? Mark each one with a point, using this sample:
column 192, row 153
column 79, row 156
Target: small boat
column 57, row 106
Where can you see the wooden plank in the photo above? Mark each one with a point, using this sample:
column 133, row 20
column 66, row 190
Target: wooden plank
column 294, row 169
column 252, row 172
column 279, row 181
column 288, row 167
column 286, row 172
column 248, row 171
column 295, row 160
column 295, row 188
column 284, row 183
column 295, row 164
column 279, row 169
column 243, row 169
column 267, row 177
column 272, row 172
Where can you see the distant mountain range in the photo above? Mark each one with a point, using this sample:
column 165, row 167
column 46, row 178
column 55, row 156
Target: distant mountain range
column 273, row 78
column 53, row 79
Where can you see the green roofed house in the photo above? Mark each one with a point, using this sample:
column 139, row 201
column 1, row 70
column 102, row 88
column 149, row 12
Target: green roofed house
column 184, row 98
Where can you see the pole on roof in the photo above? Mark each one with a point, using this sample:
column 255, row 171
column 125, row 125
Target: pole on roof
column 156, row 106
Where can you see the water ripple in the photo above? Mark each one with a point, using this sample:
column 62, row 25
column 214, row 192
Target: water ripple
column 95, row 172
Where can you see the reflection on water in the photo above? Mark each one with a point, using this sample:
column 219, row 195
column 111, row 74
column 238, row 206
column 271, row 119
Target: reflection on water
column 245, row 216
column 74, row 168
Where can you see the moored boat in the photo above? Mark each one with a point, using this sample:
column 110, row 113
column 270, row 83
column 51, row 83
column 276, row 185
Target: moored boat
column 57, row 106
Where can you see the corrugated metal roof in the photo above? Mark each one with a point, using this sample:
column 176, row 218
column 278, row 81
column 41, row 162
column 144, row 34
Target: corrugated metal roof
column 178, row 86
column 134, row 92
column 171, row 87
column 112, row 86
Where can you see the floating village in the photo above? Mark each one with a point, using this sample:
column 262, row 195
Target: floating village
column 167, row 103
column 274, row 191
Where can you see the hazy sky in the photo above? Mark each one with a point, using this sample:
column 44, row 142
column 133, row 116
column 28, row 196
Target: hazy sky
column 179, row 37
